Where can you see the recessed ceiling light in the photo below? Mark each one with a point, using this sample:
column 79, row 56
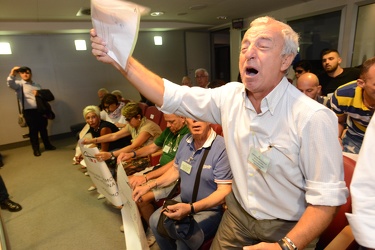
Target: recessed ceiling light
column 221, row 17
column 157, row 13
column 198, row 7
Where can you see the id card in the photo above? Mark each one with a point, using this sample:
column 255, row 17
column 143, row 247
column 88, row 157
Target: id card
column 166, row 149
column 261, row 161
column 186, row 167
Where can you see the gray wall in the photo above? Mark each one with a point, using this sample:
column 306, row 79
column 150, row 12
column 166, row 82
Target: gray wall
column 75, row 76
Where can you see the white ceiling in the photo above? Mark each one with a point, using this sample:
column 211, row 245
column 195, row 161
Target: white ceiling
column 180, row 14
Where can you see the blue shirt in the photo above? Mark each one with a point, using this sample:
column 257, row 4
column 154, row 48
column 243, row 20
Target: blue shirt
column 216, row 168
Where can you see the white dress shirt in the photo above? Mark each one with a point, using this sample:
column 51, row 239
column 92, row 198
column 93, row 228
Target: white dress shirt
column 296, row 136
column 362, row 189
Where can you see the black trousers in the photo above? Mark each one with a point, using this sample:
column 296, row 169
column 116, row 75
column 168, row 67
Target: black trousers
column 37, row 125
column 3, row 190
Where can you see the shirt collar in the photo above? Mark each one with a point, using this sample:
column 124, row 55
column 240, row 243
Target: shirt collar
column 272, row 99
column 207, row 143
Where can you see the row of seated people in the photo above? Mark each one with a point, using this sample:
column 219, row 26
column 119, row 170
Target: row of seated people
column 175, row 130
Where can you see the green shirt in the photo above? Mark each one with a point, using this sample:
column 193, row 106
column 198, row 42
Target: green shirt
column 169, row 143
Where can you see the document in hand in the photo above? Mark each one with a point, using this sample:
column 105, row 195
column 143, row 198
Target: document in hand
column 117, row 23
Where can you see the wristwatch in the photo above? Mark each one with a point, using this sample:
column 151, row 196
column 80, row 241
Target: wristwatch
column 112, row 156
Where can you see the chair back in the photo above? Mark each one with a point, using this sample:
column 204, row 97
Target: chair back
column 218, row 129
column 153, row 114
column 143, row 106
column 162, row 123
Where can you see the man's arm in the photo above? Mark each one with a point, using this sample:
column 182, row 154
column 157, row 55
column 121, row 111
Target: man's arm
column 108, row 137
column 313, row 222
column 342, row 121
column 146, row 82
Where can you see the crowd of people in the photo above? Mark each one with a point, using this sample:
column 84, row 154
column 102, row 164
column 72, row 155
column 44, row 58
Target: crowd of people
column 273, row 136
column 279, row 166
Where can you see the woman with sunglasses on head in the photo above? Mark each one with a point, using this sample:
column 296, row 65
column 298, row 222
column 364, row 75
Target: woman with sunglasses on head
column 143, row 132
column 112, row 110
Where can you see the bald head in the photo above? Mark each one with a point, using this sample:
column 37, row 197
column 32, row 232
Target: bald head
column 308, row 84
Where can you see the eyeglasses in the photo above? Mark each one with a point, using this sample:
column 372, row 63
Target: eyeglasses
column 106, row 106
column 299, row 71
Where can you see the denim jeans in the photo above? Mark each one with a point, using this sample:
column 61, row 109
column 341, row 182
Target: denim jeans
column 351, row 145
column 208, row 221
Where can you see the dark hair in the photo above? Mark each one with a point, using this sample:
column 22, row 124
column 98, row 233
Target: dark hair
column 303, row 64
column 366, row 67
column 24, row 69
column 327, row 51
column 109, row 99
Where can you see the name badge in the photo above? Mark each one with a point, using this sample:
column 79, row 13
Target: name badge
column 166, row 149
column 186, row 167
column 259, row 160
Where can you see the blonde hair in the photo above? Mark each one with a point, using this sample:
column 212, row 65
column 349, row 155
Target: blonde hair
column 91, row 109
column 131, row 109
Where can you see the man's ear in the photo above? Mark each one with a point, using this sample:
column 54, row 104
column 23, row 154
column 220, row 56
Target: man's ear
column 286, row 61
column 339, row 60
column 360, row 83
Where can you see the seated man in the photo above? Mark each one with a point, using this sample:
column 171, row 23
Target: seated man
column 168, row 141
column 308, row 84
column 354, row 105
column 215, row 184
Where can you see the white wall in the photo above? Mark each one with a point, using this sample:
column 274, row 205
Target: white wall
column 75, row 76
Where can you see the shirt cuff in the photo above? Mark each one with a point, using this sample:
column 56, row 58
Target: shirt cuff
column 326, row 194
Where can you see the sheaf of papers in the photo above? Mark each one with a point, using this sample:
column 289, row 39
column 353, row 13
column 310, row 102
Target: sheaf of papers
column 117, row 23
column 135, row 237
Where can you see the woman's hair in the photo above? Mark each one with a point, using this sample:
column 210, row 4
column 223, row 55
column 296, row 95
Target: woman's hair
column 109, row 99
column 131, row 109
column 91, row 109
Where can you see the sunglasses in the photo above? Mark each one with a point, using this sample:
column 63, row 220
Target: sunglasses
column 299, row 71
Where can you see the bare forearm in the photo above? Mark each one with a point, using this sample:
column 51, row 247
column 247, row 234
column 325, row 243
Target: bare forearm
column 158, row 172
column 214, row 199
column 312, row 223
column 147, row 150
column 166, row 179
column 146, row 82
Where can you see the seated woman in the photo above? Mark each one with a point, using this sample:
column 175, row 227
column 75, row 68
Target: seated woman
column 98, row 128
column 215, row 183
column 143, row 132
column 112, row 110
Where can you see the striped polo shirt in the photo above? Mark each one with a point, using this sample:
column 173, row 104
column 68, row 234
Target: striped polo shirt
column 347, row 100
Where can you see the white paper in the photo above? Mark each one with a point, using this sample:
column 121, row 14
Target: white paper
column 117, row 23
column 135, row 237
column 101, row 176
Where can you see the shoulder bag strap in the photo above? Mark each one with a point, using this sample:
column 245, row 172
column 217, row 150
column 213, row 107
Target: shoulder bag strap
column 20, row 111
column 197, row 178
